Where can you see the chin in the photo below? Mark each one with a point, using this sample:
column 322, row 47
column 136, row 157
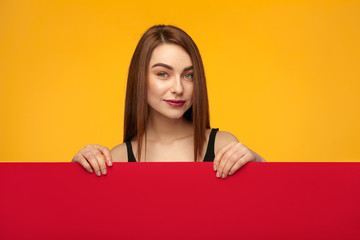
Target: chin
column 170, row 113
column 174, row 115
column 177, row 114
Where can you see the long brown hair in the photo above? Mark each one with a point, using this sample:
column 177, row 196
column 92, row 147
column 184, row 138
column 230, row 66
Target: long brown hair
column 136, row 106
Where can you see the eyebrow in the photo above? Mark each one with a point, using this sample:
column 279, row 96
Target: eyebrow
column 169, row 67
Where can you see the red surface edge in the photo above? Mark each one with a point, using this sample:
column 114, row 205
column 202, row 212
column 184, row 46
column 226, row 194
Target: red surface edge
column 180, row 201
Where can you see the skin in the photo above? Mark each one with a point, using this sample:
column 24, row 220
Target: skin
column 169, row 135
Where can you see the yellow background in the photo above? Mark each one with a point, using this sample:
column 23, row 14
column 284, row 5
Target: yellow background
column 283, row 76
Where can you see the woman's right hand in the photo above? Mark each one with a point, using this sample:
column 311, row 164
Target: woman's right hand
column 91, row 157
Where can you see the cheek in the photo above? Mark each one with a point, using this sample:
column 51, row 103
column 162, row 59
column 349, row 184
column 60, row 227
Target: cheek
column 154, row 88
column 190, row 89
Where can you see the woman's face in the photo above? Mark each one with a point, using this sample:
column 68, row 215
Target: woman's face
column 169, row 81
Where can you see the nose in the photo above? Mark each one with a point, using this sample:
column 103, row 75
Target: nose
column 177, row 86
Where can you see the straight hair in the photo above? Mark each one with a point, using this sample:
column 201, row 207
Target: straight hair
column 136, row 106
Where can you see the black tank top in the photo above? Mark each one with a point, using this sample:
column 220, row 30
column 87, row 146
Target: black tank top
column 209, row 155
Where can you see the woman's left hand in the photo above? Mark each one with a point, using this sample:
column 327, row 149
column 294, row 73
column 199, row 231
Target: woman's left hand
column 231, row 157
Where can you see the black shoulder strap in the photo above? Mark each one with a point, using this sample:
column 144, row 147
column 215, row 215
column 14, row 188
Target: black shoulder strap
column 131, row 157
column 210, row 152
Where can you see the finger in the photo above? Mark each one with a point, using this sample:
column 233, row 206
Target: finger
column 229, row 155
column 233, row 160
column 239, row 164
column 219, row 154
column 90, row 157
column 245, row 156
column 101, row 161
column 106, row 153
column 82, row 161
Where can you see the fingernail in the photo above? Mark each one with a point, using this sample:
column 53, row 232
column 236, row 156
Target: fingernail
column 103, row 171
column 214, row 167
column 109, row 163
column 230, row 173
column 224, row 175
column 218, row 174
column 98, row 173
column 91, row 171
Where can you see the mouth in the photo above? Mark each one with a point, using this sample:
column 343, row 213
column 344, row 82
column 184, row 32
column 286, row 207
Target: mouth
column 175, row 103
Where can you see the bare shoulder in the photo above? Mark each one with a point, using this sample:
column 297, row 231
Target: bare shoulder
column 119, row 153
column 223, row 138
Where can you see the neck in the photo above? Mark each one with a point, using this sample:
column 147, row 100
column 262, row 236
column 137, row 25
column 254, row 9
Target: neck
column 161, row 128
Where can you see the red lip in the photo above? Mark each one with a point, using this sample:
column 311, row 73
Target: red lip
column 175, row 103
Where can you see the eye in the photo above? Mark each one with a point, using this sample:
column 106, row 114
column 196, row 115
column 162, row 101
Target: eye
column 163, row 74
column 188, row 76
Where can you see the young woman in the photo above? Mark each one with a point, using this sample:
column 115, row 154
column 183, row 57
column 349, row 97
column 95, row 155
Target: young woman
column 167, row 112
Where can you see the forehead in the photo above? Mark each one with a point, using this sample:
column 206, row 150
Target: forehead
column 172, row 55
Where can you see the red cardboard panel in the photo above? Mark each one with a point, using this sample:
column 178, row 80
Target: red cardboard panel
column 180, row 201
